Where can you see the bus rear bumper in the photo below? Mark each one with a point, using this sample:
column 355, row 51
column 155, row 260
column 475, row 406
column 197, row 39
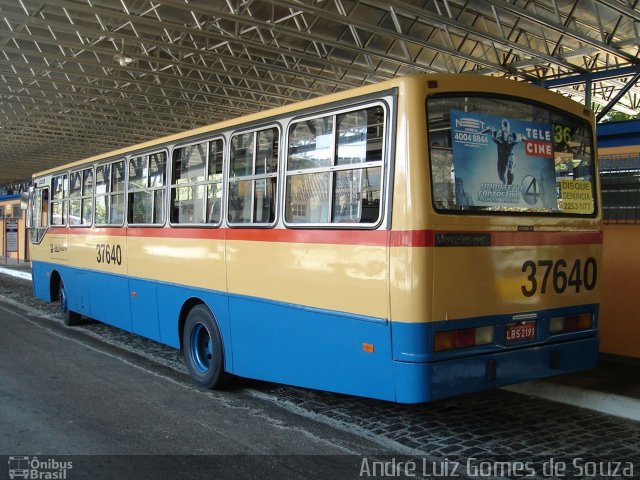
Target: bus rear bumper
column 457, row 376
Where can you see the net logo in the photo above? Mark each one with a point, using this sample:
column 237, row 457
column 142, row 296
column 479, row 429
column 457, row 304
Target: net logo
column 470, row 124
column 35, row 469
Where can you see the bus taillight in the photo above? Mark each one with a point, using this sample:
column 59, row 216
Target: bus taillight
column 467, row 337
column 571, row 323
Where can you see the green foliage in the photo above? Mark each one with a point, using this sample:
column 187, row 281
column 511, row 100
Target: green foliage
column 615, row 116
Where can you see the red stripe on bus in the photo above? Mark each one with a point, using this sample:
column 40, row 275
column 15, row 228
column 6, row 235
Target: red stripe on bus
column 412, row 238
column 395, row 238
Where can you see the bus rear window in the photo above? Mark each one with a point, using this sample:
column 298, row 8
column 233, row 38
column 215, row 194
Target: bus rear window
column 497, row 154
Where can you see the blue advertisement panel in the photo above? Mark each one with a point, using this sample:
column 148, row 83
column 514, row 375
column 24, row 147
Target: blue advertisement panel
column 503, row 162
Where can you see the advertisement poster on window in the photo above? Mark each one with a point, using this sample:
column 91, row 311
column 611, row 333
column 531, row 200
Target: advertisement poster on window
column 503, row 162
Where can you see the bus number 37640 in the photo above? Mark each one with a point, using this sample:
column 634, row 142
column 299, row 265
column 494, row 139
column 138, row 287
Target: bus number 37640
column 559, row 275
column 110, row 254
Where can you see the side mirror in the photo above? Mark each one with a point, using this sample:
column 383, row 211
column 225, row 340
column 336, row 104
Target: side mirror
column 24, row 200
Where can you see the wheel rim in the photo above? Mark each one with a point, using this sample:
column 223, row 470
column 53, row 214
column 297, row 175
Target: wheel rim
column 63, row 300
column 201, row 348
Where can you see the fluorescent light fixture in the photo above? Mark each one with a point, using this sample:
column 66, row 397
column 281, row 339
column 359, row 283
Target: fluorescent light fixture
column 122, row 59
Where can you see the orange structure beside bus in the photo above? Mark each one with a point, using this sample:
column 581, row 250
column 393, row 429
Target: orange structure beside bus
column 620, row 326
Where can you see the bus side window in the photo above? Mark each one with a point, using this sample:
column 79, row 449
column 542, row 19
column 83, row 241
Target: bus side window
column 214, row 212
column 147, row 181
column 334, row 175
column 196, row 187
column 44, row 216
column 253, row 177
column 59, row 200
column 39, row 214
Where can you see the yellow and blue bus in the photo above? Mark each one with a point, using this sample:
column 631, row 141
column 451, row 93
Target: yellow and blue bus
column 412, row 240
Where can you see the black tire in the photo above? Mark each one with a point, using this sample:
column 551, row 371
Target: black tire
column 69, row 318
column 203, row 350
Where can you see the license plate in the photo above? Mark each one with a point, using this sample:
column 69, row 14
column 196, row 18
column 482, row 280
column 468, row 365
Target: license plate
column 517, row 332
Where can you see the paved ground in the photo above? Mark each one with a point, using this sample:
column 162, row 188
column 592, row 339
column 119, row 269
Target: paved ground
column 66, row 393
column 97, row 390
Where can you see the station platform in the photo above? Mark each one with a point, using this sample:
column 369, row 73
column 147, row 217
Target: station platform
column 613, row 387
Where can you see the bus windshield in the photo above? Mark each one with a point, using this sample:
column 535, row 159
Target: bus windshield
column 505, row 155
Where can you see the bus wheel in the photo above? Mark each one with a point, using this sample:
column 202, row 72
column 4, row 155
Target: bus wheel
column 203, row 352
column 69, row 318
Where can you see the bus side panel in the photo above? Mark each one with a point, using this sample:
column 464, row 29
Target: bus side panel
column 110, row 299
column 50, row 255
column 78, row 289
column 97, row 282
column 171, row 298
column 304, row 310
column 413, row 381
column 40, row 273
column 104, row 295
column 350, row 278
column 77, row 285
column 412, row 342
column 312, row 348
column 144, row 308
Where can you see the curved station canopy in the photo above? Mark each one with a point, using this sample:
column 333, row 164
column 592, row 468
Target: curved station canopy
column 80, row 77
